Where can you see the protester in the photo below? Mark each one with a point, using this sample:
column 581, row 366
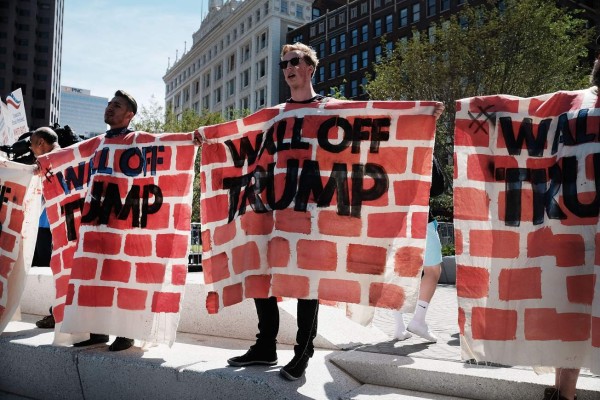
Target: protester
column 432, row 269
column 118, row 114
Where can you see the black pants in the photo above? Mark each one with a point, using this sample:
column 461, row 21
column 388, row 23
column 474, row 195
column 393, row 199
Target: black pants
column 268, row 324
column 43, row 248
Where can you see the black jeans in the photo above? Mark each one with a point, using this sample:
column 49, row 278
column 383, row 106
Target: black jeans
column 268, row 324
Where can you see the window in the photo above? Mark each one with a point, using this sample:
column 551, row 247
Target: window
column 342, row 63
column 230, row 87
column 206, row 80
column 354, row 34
column 364, row 59
column 206, row 102
column 242, row 28
column 321, row 50
column 363, row 84
column 354, row 62
column 332, row 22
column 403, row 21
column 196, row 87
column 261, row 41
column 261, row 98
column 365, row 33
column 431, row 8
column 332, row 69
column 246, row 52
column 217, row 95
column 333, row 45
column 376, row 3
column 445, row 6
column 261, row 68
column 245, row 103
column 284, row 7
column 364, row 8
column 416, row 9
column 342, row 18
column 353, row 88
column 218, row 72
column 313, row 31
column 342, row 42
column 245, row 78
column 321, row 74
column 258, row 15
column 389, row 23
column 321, row 27
column 267, row 8
column 377, row 53
column 231, row 63
column 389, row 47
column 431, row 34
column 378, row 27
column 342, row 89
column 299, row 11
column 353, row 12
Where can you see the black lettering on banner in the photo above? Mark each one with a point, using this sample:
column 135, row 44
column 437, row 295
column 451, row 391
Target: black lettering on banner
column 68, row 210
column 563, row 131
column 359, row 194
column 535, row 144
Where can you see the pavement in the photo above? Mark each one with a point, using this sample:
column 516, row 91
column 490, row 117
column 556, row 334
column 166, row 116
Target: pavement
column 351, row 362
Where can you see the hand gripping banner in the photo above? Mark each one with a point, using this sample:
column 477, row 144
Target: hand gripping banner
column 526, row 201
column 119, row 210
column 321, row 201
column 20, row 201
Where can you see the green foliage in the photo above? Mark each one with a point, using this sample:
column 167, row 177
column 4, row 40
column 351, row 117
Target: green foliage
column 526, row 48
column 336, row 93
column 448, row 250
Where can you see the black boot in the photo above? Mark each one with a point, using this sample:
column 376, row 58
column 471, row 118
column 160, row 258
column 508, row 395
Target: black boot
column 95, row 338
column 121, row 343
column 307, row 315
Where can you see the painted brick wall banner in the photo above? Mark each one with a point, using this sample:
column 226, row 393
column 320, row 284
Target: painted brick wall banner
column 20, row 201
column 526, row 201
column 119, row 210
column 326, row 201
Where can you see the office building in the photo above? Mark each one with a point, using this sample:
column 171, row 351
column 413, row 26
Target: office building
column 83, row 112
column 30, row 56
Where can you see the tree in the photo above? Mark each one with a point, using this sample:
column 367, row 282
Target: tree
column 150, row 119
column 518, row 47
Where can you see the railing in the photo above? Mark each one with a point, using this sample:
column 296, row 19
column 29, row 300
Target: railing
column 446, row 232
column 195, row 253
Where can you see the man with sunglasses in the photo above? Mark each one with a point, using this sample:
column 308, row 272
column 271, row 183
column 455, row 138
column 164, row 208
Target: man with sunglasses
column 298, row 64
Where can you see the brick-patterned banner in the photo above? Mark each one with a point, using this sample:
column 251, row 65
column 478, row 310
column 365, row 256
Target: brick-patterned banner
column 119, row 210
column 526, row 201
column 322, row 200
column 20, row 201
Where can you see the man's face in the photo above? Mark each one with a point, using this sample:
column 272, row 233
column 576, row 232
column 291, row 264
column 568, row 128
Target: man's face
column 39, row 146
column 117, row 114
column 297, row 76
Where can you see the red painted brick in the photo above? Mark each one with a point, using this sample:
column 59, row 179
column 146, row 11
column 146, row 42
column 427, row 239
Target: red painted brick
column 257, row 286
column 6, row 265
column 526, row 205
column 56, row 264
column 233, row 294
column 212, row 302
column 186, row 155
column 245, row 258
column 408, row 261
column 150, row 272
column 138, row 245
column 569, row 250
column 493, row 324
column 580, row 288
column 386, row 295
column 215, row 208
column 364, row 259
column 410, row 192
column 115, row 270
column 278, row 252
column 60, row 285
column 161, row 218
column 176, row 185
column 264, row 114
column 218, row 174
column 88, row 147
column 16, row 220
column 173, row 246
column 131, row 299
column 472, row 282
column 206, row 240
column 339, row 290
column 387, row 225
column 330, row 223
column 520, row 284
column 102, row 243
column 494, row 243
column 59, row 236
column 458, row 241
column 419, row 225
column 595, row 330
column 7, row 242
column 213, row 154
column 220, row 130
column 95, row 296
column 182, row 216
column 67, row 256
column 53, row 213
column 289, row 220
column 480, row 167
column 461, row 320
column 216, row 268
column 258, row 223
column 471, row 204
column 547, row 324
column 17, row 193
column 224, row 233
column 290, row 286
column 284, row 156
column 422, row 160
column 85, row 268
column 417, row 127
column 59, row 313
column 165, row 302
column 178, row 274
column 392, row 159
column 317, row 255
column 70, row 294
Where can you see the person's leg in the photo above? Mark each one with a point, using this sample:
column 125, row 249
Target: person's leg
column 400, row 331
column 264, row 351
column 432, row 268
column 565, row 381
column 307, row 317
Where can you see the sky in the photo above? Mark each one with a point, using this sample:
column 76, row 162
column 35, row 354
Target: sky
column 110, row 45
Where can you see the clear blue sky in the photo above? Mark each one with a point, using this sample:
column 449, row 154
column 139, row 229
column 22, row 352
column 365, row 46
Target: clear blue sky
column 110, row 45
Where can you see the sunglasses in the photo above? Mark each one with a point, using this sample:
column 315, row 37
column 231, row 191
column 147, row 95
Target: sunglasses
column 294, row 61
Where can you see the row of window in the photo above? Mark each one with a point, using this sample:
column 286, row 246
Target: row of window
column 350, row 90
column 260, row 99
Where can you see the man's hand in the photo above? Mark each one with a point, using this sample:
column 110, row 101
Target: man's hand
column 439, row 109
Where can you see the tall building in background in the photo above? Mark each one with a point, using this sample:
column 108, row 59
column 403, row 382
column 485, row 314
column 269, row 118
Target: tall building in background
column 30, row 56
column 232, row 64
column 83, row 112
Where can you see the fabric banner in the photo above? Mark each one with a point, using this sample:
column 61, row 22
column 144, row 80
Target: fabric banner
column 6, row 136
column 17, row 116
column 119, row 210
column 20, row 201
column 321, row 200
column 526, row 201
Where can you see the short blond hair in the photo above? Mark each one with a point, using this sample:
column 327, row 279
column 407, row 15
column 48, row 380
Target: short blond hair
column 309, row 54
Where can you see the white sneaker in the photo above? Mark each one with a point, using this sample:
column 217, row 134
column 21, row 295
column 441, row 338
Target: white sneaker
column 422, row 331
column 403, row 335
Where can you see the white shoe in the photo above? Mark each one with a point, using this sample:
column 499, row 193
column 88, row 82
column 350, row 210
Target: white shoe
column 402, row 335
column 422, row 331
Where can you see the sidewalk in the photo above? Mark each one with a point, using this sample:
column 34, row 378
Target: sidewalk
column 346, row 366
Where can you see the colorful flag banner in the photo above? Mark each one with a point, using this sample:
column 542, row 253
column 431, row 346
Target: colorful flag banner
column 119, row 210
column 17, row 115
column 321, row 200
column 526, row 201
column 6, row 136
column 20, row 201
